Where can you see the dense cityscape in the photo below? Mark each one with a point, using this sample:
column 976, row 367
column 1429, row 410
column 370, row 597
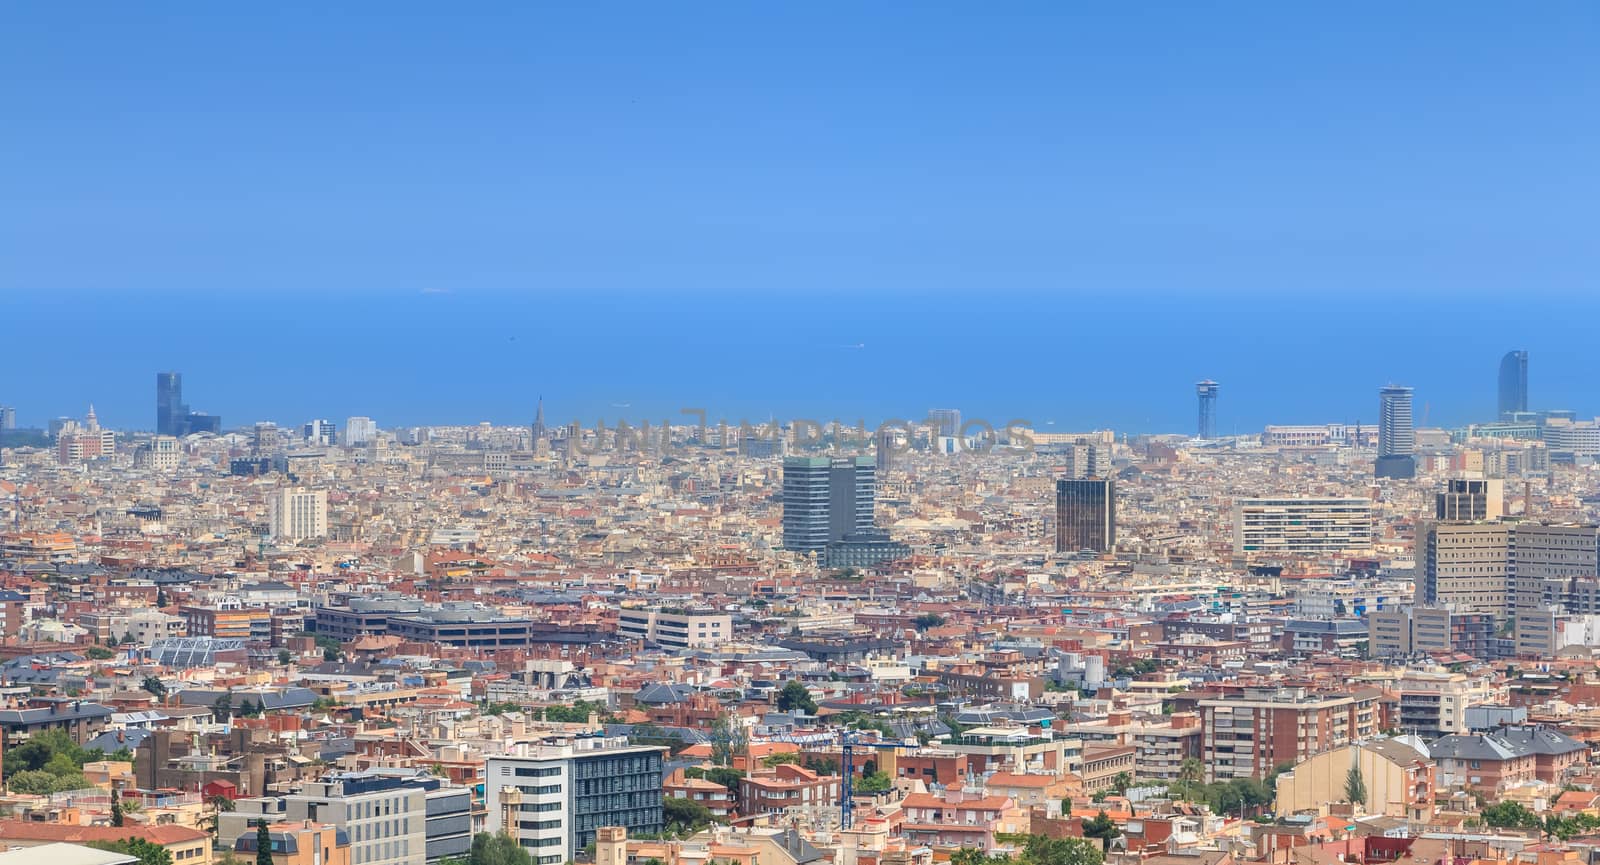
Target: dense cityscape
column 791, row 643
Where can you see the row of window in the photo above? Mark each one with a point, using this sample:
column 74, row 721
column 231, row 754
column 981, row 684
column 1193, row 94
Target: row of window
column 378, row 852
column 535, row 772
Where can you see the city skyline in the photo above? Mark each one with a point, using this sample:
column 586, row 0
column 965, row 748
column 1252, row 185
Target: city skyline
column 1149, row 393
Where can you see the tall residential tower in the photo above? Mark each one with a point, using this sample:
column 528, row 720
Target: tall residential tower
column 1397, row 438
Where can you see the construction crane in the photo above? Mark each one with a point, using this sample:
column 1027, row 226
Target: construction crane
column 848, row 740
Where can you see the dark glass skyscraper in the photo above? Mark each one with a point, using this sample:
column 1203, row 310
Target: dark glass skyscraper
column 1513, row 383
column 825, row 499
column 1086, row 514
column 171, row 413
column 1207, row 391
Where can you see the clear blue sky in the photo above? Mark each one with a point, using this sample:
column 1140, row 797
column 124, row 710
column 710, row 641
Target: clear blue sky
column 433, row 212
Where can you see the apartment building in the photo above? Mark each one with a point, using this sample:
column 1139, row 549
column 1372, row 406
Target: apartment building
column 789, row 790
column 303, row 843
column 1102, row 764
column 1018, row 749
column 1431, row 630
column 1160, row 746
column 250, row 624
column 1249, row 733
column 390, row 818
column 1464, row 565
column 558, row 792
column 676, row 629
column 1554, row 565
column 1301, row 526
column 1434, row 704
column 297, row 515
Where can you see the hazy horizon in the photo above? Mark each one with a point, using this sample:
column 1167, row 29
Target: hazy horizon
column 1081, row 362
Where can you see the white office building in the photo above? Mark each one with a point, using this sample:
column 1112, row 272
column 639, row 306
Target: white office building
column 553, row 795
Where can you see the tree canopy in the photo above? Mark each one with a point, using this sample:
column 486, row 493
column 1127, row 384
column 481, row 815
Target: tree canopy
column 795, row 696
column 147, row 852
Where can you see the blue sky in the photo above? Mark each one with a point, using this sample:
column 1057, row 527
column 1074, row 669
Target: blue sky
column 425, row 212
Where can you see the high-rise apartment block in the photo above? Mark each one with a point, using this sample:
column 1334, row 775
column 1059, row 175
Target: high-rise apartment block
column 1554, row 566
column 1084, row 460
column 825, row 499
column 1397, row 437
column 297, row 515
column 1464, row 566
column 1250, row 733
column 1513, row 384
column 1301, row 527
column 554, row 797
column 1086, row 514
column 1207, row 391
column 1508, row 569
column 8, row 417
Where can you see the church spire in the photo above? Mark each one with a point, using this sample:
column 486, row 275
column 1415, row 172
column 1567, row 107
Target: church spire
column 538, row 421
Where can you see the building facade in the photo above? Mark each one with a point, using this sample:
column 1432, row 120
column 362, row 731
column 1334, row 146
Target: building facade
column 825, row 499
column 1086, row 514
column 1301, row 527
column 552, row 797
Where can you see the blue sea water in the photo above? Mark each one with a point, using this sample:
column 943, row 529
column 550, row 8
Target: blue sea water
column 1066, row 363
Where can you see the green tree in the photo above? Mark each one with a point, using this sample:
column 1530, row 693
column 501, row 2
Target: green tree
column 1509, row 815
column 976, row 856
column 1101, row 826
column 1040, row 850
column 720, row 775
column 779, row 759
column 876, row 782
column 1355, row 786
column 1121, row 782
column 577, row 713
column 263, row 843
column 496, row 849
column 32, row 782
column 684, row 815
column 100, row 653
column 795, row 696
column 928, row 620
column 154, row 686
column 284, row 657
column 147, row 852
column 222, row 707
column 1191, row 771
column 117, row 817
